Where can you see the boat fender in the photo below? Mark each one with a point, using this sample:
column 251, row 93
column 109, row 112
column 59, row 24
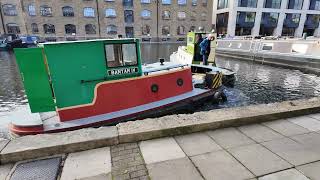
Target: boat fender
column 219, row 96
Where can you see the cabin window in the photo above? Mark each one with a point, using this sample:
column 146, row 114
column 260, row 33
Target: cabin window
column 118, row 55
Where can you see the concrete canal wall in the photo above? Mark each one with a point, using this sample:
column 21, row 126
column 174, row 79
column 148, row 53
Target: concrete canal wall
column 302, row 55
column 31, row 147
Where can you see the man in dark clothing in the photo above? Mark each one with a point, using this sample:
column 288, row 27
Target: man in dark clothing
column 205, row 46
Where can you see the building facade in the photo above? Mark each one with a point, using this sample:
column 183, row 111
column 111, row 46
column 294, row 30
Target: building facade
column 87, row 19
column 267, row 17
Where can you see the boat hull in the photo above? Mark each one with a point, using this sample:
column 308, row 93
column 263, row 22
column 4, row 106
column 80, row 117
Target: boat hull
column 182, row 103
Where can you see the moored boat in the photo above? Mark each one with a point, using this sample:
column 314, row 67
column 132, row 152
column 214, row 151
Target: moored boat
column 71, row 85
column 190, row 55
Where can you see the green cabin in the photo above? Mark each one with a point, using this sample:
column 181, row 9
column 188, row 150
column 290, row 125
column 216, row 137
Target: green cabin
column 64, row 74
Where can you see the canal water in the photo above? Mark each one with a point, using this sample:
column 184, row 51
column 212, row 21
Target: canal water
column 255, row 83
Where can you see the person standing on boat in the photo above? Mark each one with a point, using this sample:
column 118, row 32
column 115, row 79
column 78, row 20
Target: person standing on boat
column 205, row 46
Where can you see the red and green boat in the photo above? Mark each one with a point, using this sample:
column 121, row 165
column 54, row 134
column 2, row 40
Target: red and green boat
column 71, row 85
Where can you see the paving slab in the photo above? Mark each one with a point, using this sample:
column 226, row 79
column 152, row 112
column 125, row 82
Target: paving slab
column 292, row 151
column 306, row 122
column 258, row 159
column 91, row 164
column 177, row 169
column 290, row 174
column 197, row 143
column 311, row 170
column 315, row 116
column 259, row 133
column 220, row 166
column 31, row 147
column 230, row 137
column 162, row 149
column 5, row 170
column 286, row 127
column 311, row 139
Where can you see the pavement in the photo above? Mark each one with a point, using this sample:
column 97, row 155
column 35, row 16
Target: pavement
column 286, row 149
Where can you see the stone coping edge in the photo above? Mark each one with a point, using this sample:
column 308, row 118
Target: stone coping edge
column 32, row 147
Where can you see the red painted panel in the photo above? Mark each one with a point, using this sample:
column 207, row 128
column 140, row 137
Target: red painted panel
column 130, row 93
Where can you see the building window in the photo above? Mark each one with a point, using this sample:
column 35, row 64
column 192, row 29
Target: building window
column 49, row 29
column 88, row 12
column 222, row 4
column 90, row 29
column 145, row 1
column 166, row 2
column 193, row 16
column 67, row 11
column 181, row 15
column 146, row 14
column 127, row 3
column 166, row 15
column 70, row 29
column 9, row 10
column 317, row 5
column 165, row 30
column 192, row 28
column 247, row 3
column 13, row 28
column 274, row 4
column 32, row 10
column 145, row 30
column 296, row 18
column 34, row 28
column 111, row 13
column 194, row 2
column 250, row 17
column 295, row 4
column 128, row 16
column 181, row 30
column 182, row 2
column 112, row 29
column 45, row 11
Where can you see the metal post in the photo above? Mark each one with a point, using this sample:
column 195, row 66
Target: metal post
column 98, row 16
column 1, row 16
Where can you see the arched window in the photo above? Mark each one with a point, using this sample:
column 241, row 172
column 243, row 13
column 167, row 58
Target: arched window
column 165, row 30
column 145, row 1
column 146, row 14
column 9, row 10
column 181, row 30
column 128, row 16
column 13, row 28
column 203, row 16
column 145, row 29
column 90, row 29
column 49, row 29
column 32, row 10
column 166, row 2
column 166, row 14
column 67, row 11
column 182, row 2
column 112, row 29
column 70, row 29
column 111, row 13
column 127, row 3
column 34, row 28
column 194, row 2
column 45, row 10
column 182, row 15
column 88, row 12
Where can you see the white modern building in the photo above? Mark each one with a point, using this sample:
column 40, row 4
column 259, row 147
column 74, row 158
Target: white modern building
column 267, row 17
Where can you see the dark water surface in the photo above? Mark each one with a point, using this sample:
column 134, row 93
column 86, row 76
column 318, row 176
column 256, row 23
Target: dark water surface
column 255, row 84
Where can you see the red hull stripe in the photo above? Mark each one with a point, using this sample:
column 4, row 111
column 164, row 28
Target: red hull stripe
column 111, row 97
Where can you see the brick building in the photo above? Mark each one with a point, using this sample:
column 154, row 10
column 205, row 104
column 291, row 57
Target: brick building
column 87, row 19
